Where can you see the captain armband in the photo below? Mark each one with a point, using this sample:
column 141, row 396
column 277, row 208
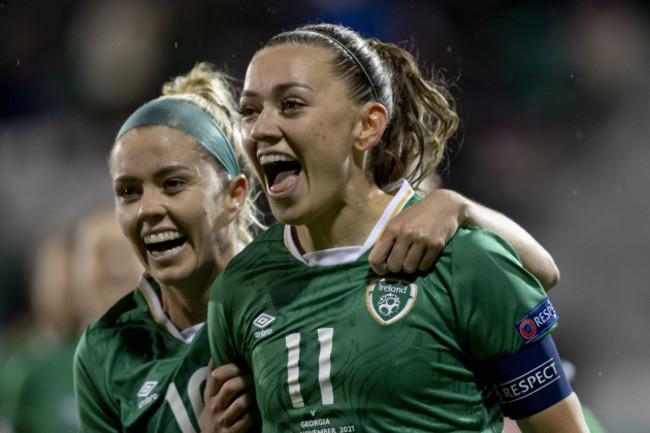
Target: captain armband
column 530, row 380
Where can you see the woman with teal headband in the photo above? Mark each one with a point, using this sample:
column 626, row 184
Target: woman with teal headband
column 181, row 187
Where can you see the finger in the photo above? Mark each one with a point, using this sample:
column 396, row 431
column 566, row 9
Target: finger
column 429, row 258
column 221, row 413
column 241, row 425
column 433, row 246
column 218, row 376
column 234, row 387
column 209, row 384
column 413, row 257
column 244, row 405
column 398, row 255
column 246, row 423
column 225, row 372
column 379, row 267
column 380, row 252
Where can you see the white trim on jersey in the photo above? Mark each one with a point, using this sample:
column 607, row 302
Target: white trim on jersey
column 335, row 256
column 155, row 306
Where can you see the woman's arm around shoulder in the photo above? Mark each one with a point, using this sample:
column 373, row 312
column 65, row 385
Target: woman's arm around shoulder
column 414, row 238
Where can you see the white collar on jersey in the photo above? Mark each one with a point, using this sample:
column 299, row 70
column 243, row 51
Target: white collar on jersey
column 401, row 191
column 155, row 306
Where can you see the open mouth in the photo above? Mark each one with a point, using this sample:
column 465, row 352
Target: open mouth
column 280, row 171
column 165, row 243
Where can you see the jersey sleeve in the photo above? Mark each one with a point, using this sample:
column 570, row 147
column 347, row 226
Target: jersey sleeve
column 493, row 294
column 220, row 331
column 95, row 413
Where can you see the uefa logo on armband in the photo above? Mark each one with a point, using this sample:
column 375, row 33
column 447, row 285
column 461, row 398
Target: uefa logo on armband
column 389, row 300
column 527, row 329
column 537, row 322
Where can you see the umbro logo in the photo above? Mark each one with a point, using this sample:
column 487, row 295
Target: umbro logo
column 145, row 393
column 263, row 320
column 147, row 388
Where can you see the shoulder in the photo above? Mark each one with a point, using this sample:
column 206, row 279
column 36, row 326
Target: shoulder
column 269, row 238
column 485, row 275
column 120, row 312
column 481, row 248
column 248, row 273
column 480, row 254
column 102, row 332
column 475, row 239
column 272, row 235
column 266, row 247
column 483, row 269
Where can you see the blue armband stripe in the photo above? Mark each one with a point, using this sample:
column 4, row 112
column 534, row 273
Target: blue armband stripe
column 530, row 380
column 536, row 323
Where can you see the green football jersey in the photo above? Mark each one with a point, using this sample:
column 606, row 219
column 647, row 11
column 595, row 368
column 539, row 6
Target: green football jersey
column 135, row 372
column 334, row 347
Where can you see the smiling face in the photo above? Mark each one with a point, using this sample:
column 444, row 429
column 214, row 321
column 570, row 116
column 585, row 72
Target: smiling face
column 299, row 128
column 170, row 205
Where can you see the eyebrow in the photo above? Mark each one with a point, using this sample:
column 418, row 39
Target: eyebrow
column 160, row 173
column 279, row 88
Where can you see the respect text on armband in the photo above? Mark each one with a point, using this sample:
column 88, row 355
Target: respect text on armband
column 529, row 383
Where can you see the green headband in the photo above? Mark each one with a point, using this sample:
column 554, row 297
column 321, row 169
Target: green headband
column 347, row 50
column 190, row 119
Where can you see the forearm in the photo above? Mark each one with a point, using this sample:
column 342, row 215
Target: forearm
column 563, row 417
column 533, row 256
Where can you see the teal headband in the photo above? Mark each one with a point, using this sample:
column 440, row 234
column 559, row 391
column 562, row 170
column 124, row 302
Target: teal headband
column 190, row 119
column 347, row 50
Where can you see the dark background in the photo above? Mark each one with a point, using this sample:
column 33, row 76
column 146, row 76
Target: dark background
column 554, row 98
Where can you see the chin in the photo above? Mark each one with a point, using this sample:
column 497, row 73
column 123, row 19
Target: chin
column 169, row 277
column 288, row 215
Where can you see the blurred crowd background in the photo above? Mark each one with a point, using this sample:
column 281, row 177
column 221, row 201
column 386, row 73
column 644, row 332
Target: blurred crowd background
column 555, row 102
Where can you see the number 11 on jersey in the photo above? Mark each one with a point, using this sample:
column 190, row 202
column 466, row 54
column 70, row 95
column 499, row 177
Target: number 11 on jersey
column 324, row 367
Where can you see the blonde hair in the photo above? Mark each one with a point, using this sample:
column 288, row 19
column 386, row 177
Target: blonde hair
column 212, row 91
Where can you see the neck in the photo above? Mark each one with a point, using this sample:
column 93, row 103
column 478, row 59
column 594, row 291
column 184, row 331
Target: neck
column 185, row 310
column 347, row 224
column 186, row 304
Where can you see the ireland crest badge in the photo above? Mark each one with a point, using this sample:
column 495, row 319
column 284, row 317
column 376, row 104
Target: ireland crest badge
column 390, row 299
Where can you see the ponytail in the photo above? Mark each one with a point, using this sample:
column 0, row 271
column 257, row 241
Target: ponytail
column 423, row 120
column 212, row 91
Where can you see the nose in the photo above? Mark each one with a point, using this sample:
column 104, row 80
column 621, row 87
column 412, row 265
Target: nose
column 150, row 205
column 264, row 128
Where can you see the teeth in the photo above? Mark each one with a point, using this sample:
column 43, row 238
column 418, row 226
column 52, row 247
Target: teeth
column 274, row 157
column 159, row 254
column 161, row 237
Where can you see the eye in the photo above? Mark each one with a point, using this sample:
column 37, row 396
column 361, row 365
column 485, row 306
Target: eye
column 173, row 184
column 248, row 107
column 289, row 106
column 246, row 112
column 126, row 192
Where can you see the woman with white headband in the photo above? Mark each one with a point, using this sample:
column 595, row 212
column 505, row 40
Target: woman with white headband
column 337, row 127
